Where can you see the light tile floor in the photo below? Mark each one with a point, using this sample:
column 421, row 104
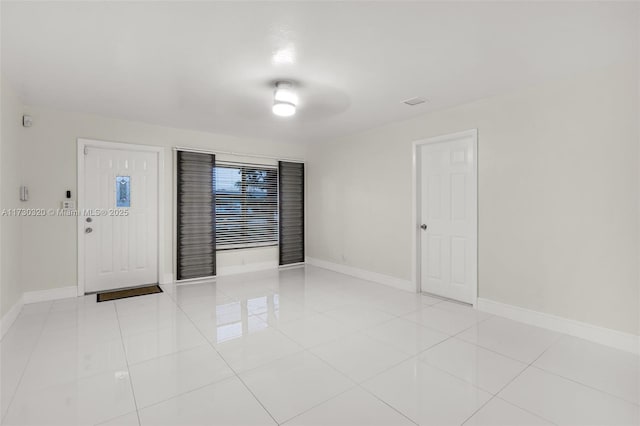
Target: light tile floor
column 302, row 346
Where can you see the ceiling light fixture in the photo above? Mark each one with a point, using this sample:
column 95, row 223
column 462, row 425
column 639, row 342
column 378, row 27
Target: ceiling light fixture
column 285, row 99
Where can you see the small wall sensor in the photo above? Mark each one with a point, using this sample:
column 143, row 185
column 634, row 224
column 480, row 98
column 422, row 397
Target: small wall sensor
column 27, row 121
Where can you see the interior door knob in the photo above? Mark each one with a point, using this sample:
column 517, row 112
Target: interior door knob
column 423, row 227
column 88, row 230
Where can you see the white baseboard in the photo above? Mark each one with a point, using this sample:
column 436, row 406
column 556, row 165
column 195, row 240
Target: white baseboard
column 605, row 336
column 166, row 278
column 292, row 266
column 195, row 280
column 52, row 294
column 9, row 318
column 249, row 267
column 363, row 274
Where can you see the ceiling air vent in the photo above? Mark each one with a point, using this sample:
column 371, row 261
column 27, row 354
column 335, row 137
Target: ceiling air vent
column 414, row 101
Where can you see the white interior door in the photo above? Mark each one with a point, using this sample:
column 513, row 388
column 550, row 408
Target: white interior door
column 120, row 218
column 448, row 214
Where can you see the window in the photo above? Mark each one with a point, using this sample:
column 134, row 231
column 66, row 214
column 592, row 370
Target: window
column 225, row 205
column 123, row 191
column 246, row 205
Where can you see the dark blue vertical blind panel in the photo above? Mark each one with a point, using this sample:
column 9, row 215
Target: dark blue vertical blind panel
column 291, row 192
column 196, row 245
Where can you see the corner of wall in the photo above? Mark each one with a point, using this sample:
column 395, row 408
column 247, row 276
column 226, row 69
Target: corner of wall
column 11, row 110
column 9, row 317
column 375, row 277
column 637, row 71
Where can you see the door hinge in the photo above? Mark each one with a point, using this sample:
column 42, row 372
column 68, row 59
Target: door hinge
column 86, row 150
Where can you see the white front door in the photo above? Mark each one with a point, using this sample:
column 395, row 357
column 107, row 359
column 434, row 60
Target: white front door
column 448, row 214
column 120, row 218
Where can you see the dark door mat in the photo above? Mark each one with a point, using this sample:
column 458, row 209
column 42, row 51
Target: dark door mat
column 129, row 292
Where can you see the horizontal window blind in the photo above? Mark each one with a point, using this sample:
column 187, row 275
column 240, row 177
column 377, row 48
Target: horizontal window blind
column 246, row 205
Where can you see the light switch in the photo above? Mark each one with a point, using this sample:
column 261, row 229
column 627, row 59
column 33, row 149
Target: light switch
column 24, row 193
column 68, row 205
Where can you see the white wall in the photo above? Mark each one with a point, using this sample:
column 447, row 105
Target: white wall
column 558, row 196
column 10, row 226
column 49, row 150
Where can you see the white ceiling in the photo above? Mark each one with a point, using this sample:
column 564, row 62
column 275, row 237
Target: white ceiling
column 209, row 66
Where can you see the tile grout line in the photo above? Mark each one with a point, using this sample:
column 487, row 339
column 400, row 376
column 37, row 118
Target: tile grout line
column 416, row 356
column 37, row 340
column 317, row 405
column 484, row 347
column 359, row 330
column 397, row 316
column 386, row 403
column 355, row 385
column 224, row 379
column 224, row 360
column 585, row 385
column 556, row 374
column 493, row 396
column 126, row 358
column 445, row 332
column 303, row 349
column 449, row 337
column 308, row 350
column 359, row 385
column 402, row 316
column 526, row 410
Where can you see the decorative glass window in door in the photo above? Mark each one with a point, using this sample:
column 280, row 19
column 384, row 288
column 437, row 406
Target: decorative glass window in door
column 123, row 191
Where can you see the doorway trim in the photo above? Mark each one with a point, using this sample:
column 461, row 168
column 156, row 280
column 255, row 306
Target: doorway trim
column 416, row 254
column 83, row 143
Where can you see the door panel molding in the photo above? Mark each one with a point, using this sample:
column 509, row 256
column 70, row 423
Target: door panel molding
column 83, row 143
column 417, row 170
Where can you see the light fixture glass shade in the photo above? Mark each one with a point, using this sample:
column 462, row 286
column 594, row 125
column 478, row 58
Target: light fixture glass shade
column 285, row 95
column 284, row 99
column 283, row 109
